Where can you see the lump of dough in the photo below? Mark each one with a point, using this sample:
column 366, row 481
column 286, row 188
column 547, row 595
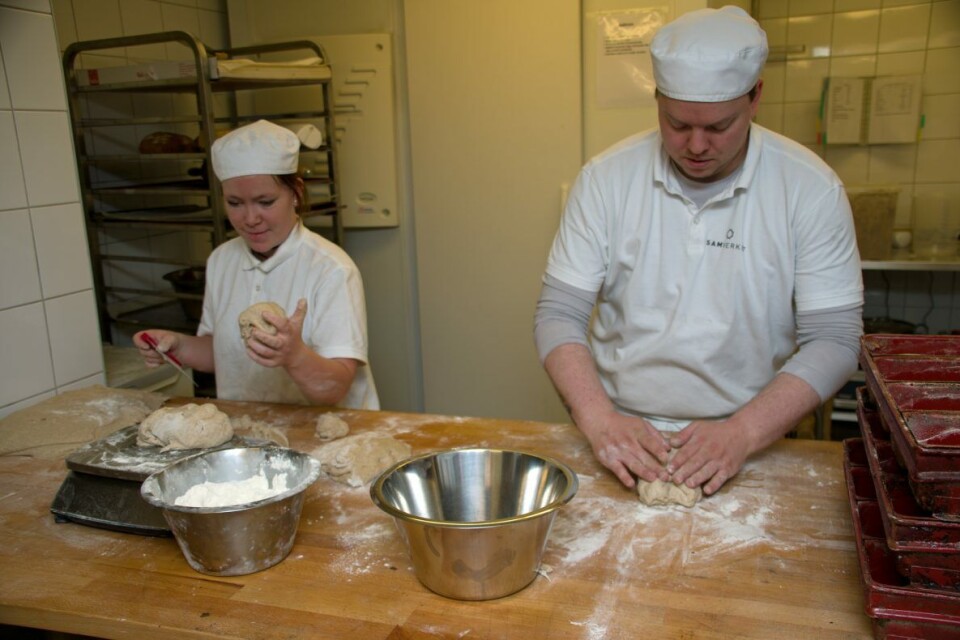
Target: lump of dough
column 252, row 318
column 660, row 493
column 358, row 459
column 331, row 427
column 192, row 426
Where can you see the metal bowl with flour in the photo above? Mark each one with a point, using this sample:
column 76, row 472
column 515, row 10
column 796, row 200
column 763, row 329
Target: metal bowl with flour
column 475, row 521
column 245, row 515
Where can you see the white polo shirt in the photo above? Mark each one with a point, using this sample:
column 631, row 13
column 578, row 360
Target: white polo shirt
column 307, row 266
column 695, row 310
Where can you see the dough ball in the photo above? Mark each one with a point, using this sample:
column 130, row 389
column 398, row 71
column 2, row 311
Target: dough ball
column 252, row 318
column 192, row 426
column 331, row 427
column 660, row 493
column 358, row 459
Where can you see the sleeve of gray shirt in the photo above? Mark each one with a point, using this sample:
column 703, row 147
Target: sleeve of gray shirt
column 828, row 340
column 829, row 344
column 562, row 316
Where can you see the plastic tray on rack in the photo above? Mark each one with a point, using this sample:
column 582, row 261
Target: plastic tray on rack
column 898, row 609
column 915, row 384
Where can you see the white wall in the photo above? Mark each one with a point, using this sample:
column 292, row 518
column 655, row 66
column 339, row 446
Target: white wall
column 49, row 339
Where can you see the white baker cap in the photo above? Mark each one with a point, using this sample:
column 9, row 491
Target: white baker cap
column 710, row 55
column 261, row 148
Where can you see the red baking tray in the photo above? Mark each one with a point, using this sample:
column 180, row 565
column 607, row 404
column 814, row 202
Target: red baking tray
column 923, row 547
column 898, row 609
column 913, row 380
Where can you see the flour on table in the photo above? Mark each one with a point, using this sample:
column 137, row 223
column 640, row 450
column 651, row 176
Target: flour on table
column 228, row 494
column 358, row 459
column 191, row 426
column 330, row 427
column 252, row 318
column 55, row 427
column 246, row 426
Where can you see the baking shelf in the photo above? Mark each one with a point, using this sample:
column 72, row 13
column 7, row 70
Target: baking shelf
column 125, row 190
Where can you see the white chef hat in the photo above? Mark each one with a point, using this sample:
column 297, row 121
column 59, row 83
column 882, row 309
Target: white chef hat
column 259, row 148
column 710, row 55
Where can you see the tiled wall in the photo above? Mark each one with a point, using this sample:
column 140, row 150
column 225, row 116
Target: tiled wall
column 876, row 38
column 49, row 339
column 49, row 336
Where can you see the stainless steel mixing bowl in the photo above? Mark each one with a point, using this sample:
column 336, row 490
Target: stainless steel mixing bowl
column 475, row 521
column 242, row 538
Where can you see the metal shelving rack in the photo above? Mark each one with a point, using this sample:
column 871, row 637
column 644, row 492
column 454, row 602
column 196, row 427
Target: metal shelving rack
column 129, row 196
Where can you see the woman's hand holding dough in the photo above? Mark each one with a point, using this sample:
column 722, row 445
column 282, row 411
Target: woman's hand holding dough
column 286, row 346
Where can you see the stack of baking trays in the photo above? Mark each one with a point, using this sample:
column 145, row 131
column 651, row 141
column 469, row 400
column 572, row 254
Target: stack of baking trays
column 903, row 478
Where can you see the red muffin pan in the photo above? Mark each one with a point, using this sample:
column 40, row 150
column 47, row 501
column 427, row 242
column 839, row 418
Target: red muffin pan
column 915, row 381
column 898, row 609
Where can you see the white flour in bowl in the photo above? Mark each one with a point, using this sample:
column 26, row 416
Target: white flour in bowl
column 228, row 494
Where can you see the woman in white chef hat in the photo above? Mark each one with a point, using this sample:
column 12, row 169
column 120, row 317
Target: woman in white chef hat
column 319, row 353
column 721, row 261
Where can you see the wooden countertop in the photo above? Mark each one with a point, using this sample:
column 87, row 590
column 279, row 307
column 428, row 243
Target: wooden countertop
column 771, row 556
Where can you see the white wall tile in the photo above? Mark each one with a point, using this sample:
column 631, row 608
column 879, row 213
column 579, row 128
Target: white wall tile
column 97, row 19
column 813, row 32
column 23, row 340
column 945, row 24
column 842, row 6
column 800, row 121
column 855, row 33
column 139, row 17
column 65, row 22
column 773, row 9
column 853, row 66
column 904, row 28
column 770, row 115
column 62, row 253
column 19, row 281
column 850, row 162
column 932, row 160
column 42, row 6
column 4, row 91
column 774, row 74
column 13, row 191
column 892, row 163
column 179, row 18
column 900, row 64
column 810, row 7
column 776, row 30
column 940, row 75
column 30, row 52
column 213, row 30
column 49, row 165
column 804, row 80
column 74, row 337
column 942, row 116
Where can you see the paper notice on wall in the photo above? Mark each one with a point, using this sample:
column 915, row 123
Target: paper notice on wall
column 876, row 110
column 624, row 68
column 843, row 110
column 894, row 109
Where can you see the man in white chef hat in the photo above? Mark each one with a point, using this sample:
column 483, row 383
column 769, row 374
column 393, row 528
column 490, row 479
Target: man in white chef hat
column 721, row 263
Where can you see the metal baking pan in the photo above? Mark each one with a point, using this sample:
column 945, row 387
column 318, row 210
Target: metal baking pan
column 107, row 503
column 888, row 597
column 921, row 545
column 918, row 398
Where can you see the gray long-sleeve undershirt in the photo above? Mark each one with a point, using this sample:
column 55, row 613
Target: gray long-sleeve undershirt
column 828, row 339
